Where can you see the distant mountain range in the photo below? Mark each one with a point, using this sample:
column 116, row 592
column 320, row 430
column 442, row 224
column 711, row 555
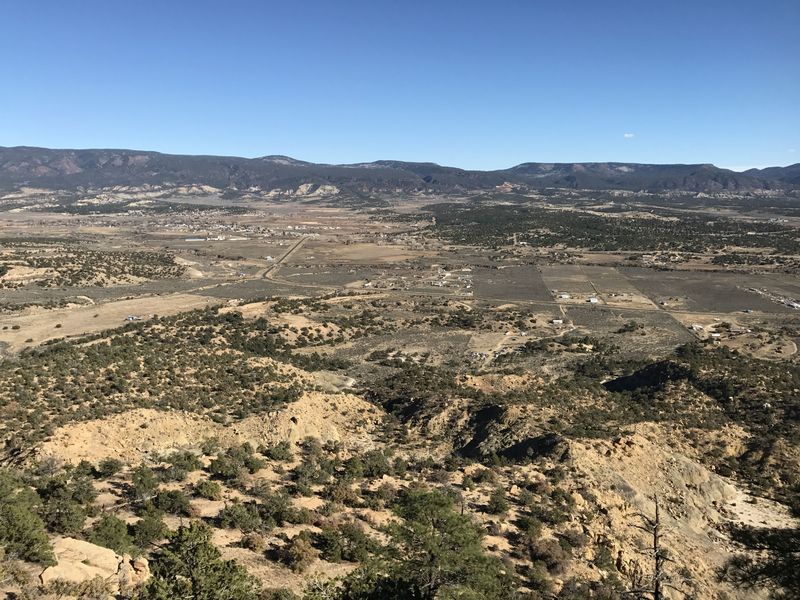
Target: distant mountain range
column 75, row 169
column 787, row 175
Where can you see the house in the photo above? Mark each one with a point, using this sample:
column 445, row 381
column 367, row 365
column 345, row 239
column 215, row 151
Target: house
column 564, row 296
column 593, row 300
column 557, row 321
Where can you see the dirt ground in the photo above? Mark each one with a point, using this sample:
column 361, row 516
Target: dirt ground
column 37, row 326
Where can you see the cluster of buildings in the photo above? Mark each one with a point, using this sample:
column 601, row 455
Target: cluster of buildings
column 593, row 299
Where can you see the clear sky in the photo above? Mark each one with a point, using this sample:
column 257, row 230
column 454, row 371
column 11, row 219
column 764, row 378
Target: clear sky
column 484, row 84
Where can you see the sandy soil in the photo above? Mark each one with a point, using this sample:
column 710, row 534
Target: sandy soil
column 141, row 434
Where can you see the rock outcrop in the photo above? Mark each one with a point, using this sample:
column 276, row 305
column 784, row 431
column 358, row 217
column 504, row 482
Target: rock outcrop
column 80, row 562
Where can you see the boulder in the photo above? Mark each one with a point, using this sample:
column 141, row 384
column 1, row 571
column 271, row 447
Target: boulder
column 80, row 562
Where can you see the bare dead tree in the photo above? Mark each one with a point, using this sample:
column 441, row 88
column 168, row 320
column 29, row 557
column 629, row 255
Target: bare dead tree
column 653, row 587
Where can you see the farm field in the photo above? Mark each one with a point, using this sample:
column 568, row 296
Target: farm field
column 715, row 292
column 511, row 282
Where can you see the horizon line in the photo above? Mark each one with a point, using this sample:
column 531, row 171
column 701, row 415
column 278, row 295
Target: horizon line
column 735, row 169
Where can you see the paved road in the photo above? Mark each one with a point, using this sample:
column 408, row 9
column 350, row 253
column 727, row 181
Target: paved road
column 269, row 272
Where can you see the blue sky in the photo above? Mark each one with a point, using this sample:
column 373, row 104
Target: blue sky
column 470, row 84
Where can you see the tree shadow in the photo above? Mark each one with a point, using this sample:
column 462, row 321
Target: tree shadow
column 777, row 567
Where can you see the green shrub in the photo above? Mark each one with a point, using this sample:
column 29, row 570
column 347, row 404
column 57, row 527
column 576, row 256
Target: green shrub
column 299, row 553
column 235, row 461
column 210, row 490
column 376, row 464
column 530, row 529
column 143, row 484
column 63, row 515
column 244, row 516
column 209, row 446
column 282, row 451
column 85, row 469
column 173, row 502
column 344, row 542
column 149, row 529
column 276, row 507
column 224, row 467
column 109, row 467
column 111, row 532
column 498, row 503
column 180, row 464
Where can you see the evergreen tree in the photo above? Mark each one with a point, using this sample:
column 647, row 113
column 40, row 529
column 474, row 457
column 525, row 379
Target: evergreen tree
column 22, row 532
column 433, row 552
column 190, row 567
column 111, row 532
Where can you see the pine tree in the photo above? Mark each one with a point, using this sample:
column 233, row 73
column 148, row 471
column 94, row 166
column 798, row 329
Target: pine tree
column 433, row 552
column 190, row 567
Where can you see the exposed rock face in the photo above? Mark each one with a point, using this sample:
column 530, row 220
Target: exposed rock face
column 80, row 562
column 509, row 431
column 624, row 474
